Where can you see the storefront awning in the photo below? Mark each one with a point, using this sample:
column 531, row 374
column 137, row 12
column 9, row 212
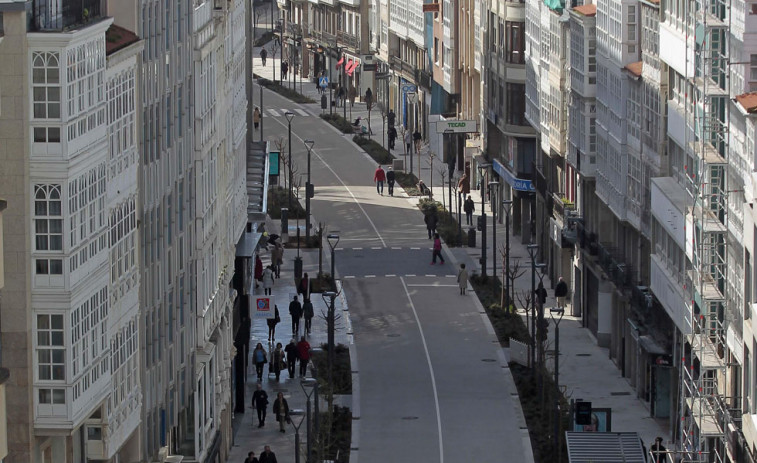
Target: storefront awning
column 607, row 447
column 351, row 68
column 340, row 62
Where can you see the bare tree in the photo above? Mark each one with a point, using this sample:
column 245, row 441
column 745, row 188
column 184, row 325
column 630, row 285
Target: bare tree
column 442, row 170
column 509, row 274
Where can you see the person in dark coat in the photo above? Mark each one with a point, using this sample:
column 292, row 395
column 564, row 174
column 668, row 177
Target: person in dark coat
column 277, row 360
column 390, row 118
column 308, row 313
column 295, row 310
column 263, row 55
column 303, row 353
column 463, row 185
column 260, row 404
column 251, row 458
column 390, row 179
column 431, row 220
column 268, row 456
column 304, row 287
column 291, row 351
column 561, row 292
column 658, row 451
column 272, row 322
column 258, row 270
column 417, row 138
column 281, row 411
column 469, row 206
column 541, row 294
column 392, row 134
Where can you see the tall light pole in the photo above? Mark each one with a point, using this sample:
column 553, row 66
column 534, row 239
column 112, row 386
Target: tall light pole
column 333, row 240
column 507, row 204
column 481, row 169
column 290, row 116
column 540, row 332
column 559, row 312
column 309, row 386
column 493, row 185
column 296, row 413
column 308, row 192
column 331, row 322
column 532, row 250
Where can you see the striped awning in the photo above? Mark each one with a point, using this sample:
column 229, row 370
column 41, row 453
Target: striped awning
column 605, row 447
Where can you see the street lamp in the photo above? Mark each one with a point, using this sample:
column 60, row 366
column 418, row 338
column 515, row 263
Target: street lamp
column 295, row 413
column 540, row 330
column 333, row 240
column 308, row 192
column 532, row 250
column 481, row 169
column 290, row 116
column 507, row 204
column 309, row 387
column 280, row 22
column 331, row 322
column 559, row 312
column 493, row 186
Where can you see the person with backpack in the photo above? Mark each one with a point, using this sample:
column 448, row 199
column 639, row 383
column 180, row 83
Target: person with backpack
column 437, row 250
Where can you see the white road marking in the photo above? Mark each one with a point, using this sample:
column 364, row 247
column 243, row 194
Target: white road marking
column 374, row 247
column 431, row 370
column 271, row 112
column 415, row 249
column 390, row 275
column 396, row 247
column 409, row 275
column 354, row 198
column 301, row 112
column 430, row 275
column 431, row 285
column 354, row 249
column 349, row 276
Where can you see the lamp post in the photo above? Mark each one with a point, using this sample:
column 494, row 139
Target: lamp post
column 493, row 185
column 540, row 332
column 280, row 21
column 333, row 239
column 507, row 204
column 559, row 312
column 330, row 320
column 309, row 387
column 308, row 192
column 532, row 250
column 296, row 426
column 481, row 169
column 290, row 116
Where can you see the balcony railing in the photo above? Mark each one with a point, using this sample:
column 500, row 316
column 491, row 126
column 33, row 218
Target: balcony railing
column 61, row 15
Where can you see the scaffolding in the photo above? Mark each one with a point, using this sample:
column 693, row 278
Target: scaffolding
column 704, row 413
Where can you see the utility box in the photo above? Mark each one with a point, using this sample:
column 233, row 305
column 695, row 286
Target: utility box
column 471, row 237
column 398, row 165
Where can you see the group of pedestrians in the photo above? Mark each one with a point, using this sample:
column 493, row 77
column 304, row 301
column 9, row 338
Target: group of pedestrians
column 266, row 457
column 380, row 176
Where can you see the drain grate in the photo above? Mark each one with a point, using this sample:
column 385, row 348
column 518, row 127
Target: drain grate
column 620, row 393
column 488, row 360
column 583, row 355
column 409, row 418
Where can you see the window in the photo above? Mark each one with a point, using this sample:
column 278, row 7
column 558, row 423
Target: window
column 516, row 104
column 52, row 396
column 46, row 85
column 515, row 43
column 50, row 349
column 752, row 67
column 48, row 220
column 436, row 50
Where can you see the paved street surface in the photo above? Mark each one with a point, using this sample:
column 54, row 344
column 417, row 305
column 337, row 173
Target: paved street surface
column 431, row 382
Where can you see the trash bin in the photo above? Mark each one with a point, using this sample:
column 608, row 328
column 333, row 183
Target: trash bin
column 298, row 268
column 471, row 237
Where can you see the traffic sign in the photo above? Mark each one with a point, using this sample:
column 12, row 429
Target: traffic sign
column 412, row 97
column 264, row 307
column 323, row 82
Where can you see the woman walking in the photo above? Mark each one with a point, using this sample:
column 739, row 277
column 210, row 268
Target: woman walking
column 277, row 258
column 462, row 279
column 272, row 322
column 277, row 360
column 437, row 252
column 281, row 410
column 259, row 357
column 267, row 278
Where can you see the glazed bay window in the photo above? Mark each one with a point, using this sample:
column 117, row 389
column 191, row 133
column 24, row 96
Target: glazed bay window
column 515, row 112
column 46, row 85
column 515, row 44
column 51, row 353
column 48, row 232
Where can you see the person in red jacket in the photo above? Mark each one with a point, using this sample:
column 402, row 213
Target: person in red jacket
column 379, row 177
column 303, row 353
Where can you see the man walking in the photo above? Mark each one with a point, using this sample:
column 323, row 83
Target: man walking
column 379, row 177
column 561, row 292
column 469, row 207
column 408, row 140
column 260, row 403
column 390, row 178
column 268, row 456
column 295, row 310
column 431, row 220
column 303, row 352
column 263, row 55
column 308, row 313
column 291, row 351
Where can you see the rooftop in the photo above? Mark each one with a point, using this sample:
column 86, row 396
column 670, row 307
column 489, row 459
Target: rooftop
column 586, row 10
column 116, row 38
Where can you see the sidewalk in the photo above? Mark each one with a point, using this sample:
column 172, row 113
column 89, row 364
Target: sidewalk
column 247, row 436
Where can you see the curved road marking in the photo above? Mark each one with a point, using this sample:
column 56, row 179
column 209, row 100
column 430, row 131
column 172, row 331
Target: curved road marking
column 430, row 368
column 383, row 243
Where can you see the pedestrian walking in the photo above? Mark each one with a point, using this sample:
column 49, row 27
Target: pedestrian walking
column 303, row 353
column 368, row 98
column 437, row 250
column 277, row 360
column 256, row 117
column 251, row 458
column 462, row 279
column 272, row 322
column 259, row 358
column 561, row 292
column 390, row 118
column 340, row 96
column 463, row 185
column 659, row 451
column 258, row 270
column 431, row 219
column 281, row 411
column 352, row 94
column 268, row 456
column 392, row 134
column 408, row 138
column 308, row 313
column 379, row 177
column 267, row 279
column 260, row 404
column 417, row 138
column 263, row 55
column 469, row 206
column 390, row 179
column 277, row 258
column 304, row 287
column 291, row 351
column 295, row 310
column 284, row 70
column 541, row 294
